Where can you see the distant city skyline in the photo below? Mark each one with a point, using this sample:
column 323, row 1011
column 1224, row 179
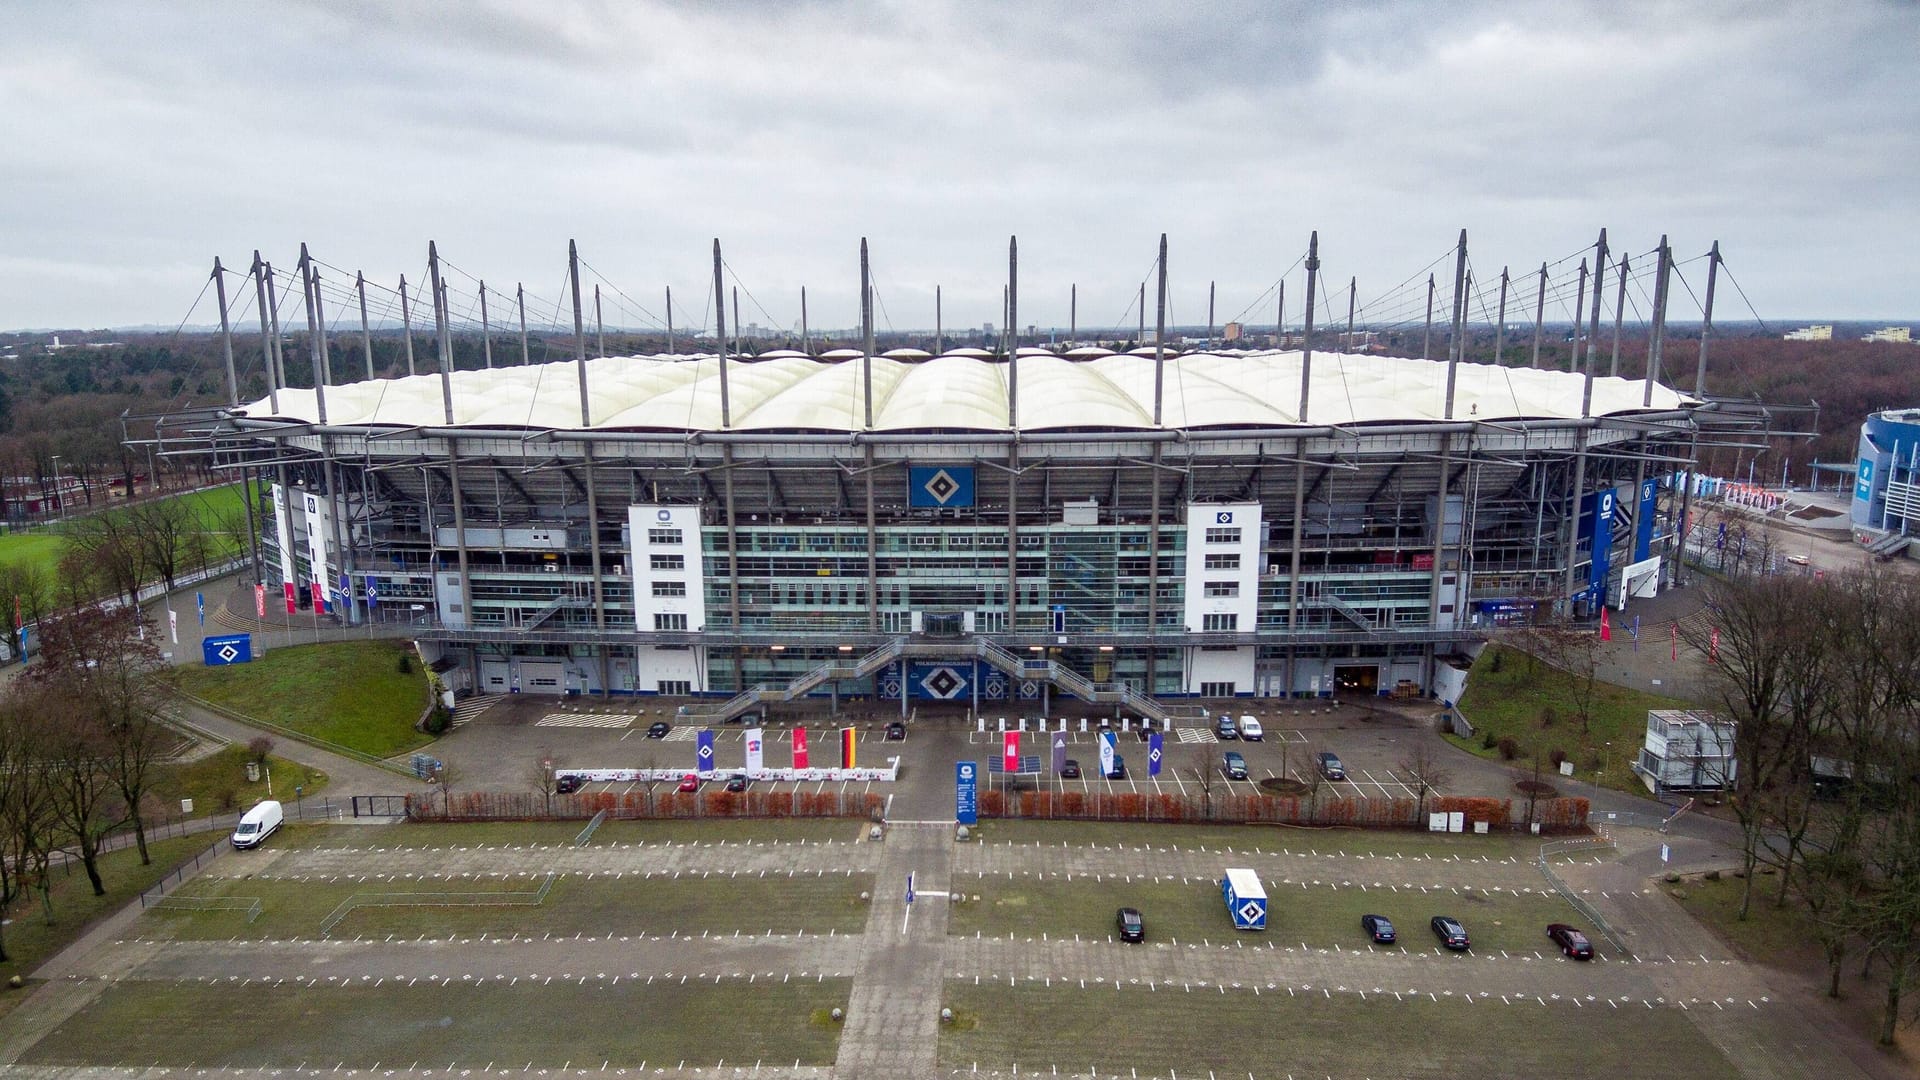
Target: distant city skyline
column 145, row 144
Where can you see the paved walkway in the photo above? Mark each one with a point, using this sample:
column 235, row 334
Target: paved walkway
column 893, row 1016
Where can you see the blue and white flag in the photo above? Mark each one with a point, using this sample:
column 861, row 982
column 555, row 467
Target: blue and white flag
column 373, row 595
column 703, row 755
column 344, row 598
column 1154, row 754
column 200, row 603
column 1106, row 752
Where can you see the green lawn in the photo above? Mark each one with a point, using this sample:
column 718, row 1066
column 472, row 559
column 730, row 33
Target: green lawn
column 602, row 905
column 1512, row 700
column 1317, row 915
column 1134, row 1031
column 544, row 1023
column 348, row 693
column 31, row 940
column 44, row 545
column 218, row 784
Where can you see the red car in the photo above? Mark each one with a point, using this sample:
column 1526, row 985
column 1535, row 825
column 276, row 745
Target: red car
column 690, row 782
column 1572, row 942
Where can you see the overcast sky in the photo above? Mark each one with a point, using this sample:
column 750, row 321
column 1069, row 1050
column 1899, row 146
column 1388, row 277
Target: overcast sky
column 138, row 141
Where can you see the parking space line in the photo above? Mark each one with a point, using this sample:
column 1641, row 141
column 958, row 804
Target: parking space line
column 1376, row 783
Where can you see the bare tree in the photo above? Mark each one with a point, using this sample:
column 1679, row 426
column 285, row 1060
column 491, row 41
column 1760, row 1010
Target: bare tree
column 1424, row 767
column 163, row 528
column 1200, row 761
column 105, row 548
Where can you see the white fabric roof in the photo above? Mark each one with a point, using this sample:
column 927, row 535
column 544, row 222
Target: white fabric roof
column 954, row 392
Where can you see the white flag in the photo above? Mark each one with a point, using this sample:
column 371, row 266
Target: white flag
column 756, row 743
column 173, row 625
column 1106, row 752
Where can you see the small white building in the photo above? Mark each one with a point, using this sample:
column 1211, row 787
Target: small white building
column 1687, row 750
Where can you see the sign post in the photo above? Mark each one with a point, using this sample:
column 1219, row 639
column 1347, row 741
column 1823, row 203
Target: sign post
column 966, row 793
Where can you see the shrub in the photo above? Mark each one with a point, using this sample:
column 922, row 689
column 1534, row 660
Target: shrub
column 259, row 748
column 1499, row 659
column 406, row 662
column 1509, row 747
column 1486, row 740
column 1548, row 716
column 1556, row 756
column 438, row 720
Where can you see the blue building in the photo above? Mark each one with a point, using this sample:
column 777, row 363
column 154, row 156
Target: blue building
column 1886, row 488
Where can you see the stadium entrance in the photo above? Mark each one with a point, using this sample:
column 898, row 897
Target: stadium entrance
column 1356, row 679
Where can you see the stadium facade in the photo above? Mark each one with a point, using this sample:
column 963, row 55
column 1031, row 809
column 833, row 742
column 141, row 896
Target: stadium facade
column 1125, row 528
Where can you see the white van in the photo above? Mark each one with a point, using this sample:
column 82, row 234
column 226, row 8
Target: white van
column 257, row 824
column 1250, row 730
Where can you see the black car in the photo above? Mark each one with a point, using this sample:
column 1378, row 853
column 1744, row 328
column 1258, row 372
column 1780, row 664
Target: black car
column 566, row 785
column 737, row 782
column 1070, row 770
column 1119, row 770
column 1132, row 926
column 1378, row 927
column 1573, row 944
column 896, row 731
column 658, row 729
column 1450, row 932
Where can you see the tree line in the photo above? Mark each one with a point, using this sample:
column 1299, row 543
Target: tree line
column 1822, row 675
column 82, row 732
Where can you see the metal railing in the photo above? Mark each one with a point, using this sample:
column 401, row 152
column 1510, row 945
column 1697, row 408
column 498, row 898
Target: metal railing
column 248, row 904
column 1553, row 849
column 438, row 899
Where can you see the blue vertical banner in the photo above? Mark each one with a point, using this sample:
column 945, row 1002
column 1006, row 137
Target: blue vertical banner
column 1106, row 752
column 1643, row 525
column 966, row 792
column 1154, row 754
column 373, row 594
column 343, row 600
column 703, row 755
column 200, row 603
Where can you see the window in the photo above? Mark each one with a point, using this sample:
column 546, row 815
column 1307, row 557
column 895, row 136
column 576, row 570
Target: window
column 1223, row 536
column 1214, row 588
column 668, row 562
column 669, row 621
column 669, row 588
column 1214, row 562
column 674, row 687
column 663, row 536
column 1216, row 689
column 1220, row 622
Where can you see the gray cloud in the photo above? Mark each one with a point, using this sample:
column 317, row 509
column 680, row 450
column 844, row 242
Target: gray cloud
column 144, row 139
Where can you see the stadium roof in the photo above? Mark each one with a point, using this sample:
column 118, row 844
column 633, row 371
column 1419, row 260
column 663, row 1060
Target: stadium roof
column 965, row 393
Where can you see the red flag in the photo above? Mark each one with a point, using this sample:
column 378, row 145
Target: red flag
column 260, row 601
column 319, row 598
column 290, row 601
column 849, row 737
column 799, row 748
column 1011, row 751
column 1606, row 632
column 1713, row 645
column 1675, row 651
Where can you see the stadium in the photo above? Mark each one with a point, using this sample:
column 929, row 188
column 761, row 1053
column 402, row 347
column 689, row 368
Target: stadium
column 993, row 527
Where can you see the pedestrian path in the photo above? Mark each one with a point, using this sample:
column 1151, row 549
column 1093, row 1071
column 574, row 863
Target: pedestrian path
column 586, row 720
column 893, row 1014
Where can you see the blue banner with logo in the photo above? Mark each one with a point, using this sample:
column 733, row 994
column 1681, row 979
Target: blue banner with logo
column 703, row 755
column 373, row 595
column 1154, row 754
column 1106, row 752
column 939, row 486
column 966, row 792
column 230, row 649
column 1643, row 525
column 200, row 602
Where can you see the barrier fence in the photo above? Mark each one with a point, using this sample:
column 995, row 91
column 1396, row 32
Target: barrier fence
column 663, row 803
column 1561, row 815
column 1601, row 840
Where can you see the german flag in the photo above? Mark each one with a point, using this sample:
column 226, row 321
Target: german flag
column 849, row 738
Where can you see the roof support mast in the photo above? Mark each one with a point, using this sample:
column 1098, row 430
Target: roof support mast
column 726, row 457
column 226, row 335
column 520, row 305
column 1619, row 316
column 1500, row 330
column 1013, row 445
column 443, row 339
column 486, row 329
column 1300, row 460
column 670, row 350
column 1539, row 316
column 1426, row 338
column 868, row 452
column 406, row 323
column 266, row 332
column 1456, row 351
column 1699, row 391
column 366, row 332
column 1586, row 404
column 1153, row 512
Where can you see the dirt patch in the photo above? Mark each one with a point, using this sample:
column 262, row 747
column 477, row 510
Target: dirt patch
column 1281, row 785
column 1539, row 789
column 1813, row 513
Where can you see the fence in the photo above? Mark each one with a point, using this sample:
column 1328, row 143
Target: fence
column 161, row 888
column 1599, row 841
column 665, row 803
column 248, row 904
column 1553, row 815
